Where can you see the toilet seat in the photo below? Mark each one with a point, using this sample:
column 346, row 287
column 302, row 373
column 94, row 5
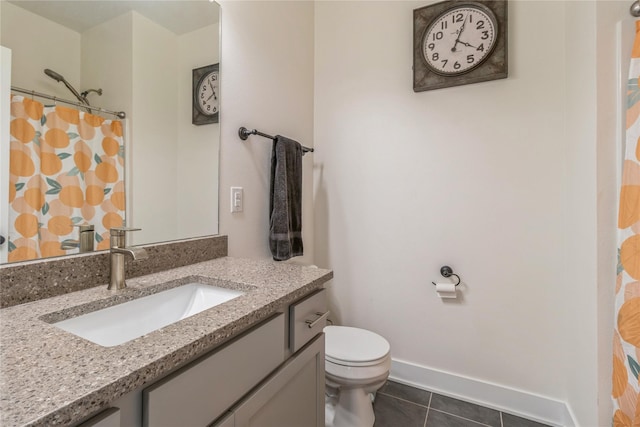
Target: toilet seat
column 355, row 364
column 348, row 346
column 357, row 375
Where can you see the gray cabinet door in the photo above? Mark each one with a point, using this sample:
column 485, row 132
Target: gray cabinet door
column 291, row 397
column 203, row 391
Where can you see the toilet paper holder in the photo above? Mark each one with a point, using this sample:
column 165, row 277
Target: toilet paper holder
column 447, row 271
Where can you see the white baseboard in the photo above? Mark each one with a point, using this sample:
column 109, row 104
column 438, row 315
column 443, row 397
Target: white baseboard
column 527, row 405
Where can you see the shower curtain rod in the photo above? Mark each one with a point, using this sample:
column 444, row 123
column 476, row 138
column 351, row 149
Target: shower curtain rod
column 118, row 114
column 635, row 9
column 244, row 133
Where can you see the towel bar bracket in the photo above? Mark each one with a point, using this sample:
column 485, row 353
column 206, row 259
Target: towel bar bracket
column 244, row 133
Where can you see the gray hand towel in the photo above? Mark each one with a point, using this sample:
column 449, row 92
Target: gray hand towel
column 285, row 205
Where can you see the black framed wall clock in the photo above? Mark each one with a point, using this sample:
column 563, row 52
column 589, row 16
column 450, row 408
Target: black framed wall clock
column 205, row 107
column 459, row 42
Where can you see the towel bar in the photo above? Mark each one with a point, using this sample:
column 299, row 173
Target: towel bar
column 244, row 133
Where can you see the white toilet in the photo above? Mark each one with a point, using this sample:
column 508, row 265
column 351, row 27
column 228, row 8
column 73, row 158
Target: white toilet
column 357, row 364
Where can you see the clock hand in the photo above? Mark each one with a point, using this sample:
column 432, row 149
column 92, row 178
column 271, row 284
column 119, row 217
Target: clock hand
column 467, row 44
column 212, row 90
column 213, row 95
column 453, row 49
column 462, row 27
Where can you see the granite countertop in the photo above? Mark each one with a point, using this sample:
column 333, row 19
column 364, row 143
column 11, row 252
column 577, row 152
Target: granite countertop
column 49, row 377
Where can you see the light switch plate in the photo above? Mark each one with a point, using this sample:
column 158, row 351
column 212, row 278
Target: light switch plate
column 237, row 201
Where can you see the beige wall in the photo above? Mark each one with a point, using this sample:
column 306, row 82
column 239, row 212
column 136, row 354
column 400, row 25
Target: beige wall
column 472, row 177
column 47, row 45
column 107, row 61
column 579, row 280
column 198, row 146
column 154, row 130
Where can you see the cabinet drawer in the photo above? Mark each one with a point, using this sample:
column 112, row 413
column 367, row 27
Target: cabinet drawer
column 201, row 392
column 307, row 318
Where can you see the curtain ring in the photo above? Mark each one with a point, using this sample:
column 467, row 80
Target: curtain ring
column 55, row 101
column 32, row 94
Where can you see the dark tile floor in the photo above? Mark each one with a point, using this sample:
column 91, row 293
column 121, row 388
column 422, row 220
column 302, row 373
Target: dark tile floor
column 398, row 405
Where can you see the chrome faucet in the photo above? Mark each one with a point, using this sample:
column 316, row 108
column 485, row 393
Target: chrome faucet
column 84, row 242
column 119, row 249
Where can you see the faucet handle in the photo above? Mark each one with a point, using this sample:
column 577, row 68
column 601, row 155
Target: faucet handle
column 86, row 235
column 118, row 236
column 120, row 231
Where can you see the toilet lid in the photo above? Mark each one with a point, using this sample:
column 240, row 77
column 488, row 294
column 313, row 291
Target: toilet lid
column 345, row 345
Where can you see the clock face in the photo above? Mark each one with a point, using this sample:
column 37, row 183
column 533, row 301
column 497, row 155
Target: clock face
column 459, row 39
column 207, row 94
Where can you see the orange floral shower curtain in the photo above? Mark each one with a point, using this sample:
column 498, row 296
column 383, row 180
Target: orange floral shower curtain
column 626, row 340
column 66, row 169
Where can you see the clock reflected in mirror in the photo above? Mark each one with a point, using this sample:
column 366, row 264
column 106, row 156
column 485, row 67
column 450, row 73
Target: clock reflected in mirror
column 457, row 43
column 206, row 95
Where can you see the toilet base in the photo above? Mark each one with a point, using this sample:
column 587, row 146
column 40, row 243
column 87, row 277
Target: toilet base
column 352, row 408
column 351, row 405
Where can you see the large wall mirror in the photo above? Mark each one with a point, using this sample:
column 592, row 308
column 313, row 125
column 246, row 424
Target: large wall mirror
column 71, row 167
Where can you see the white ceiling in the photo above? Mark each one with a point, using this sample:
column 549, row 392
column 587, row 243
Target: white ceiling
column 178, row 16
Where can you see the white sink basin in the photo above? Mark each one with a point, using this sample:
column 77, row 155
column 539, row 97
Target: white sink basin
column 123, row 322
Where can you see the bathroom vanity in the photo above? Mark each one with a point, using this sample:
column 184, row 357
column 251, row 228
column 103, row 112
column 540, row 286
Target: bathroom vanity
column 256, row 360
